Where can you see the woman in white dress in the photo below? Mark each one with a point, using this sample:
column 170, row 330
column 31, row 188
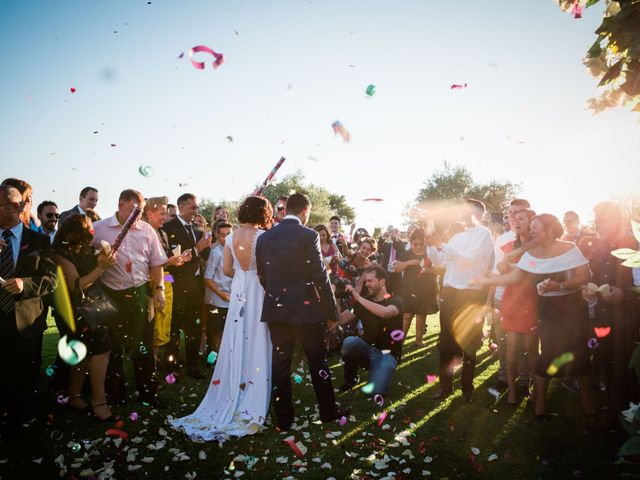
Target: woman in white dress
column 237, row 400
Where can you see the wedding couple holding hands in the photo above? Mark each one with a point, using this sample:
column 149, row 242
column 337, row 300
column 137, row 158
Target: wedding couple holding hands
column 280, row 293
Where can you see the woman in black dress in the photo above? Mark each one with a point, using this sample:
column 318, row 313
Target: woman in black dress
column 559, row 271
column 419, row 286
column 82, row 268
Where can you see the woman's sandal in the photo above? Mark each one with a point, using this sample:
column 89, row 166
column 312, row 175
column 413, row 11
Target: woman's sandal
column 83, row 409
column 110, row 418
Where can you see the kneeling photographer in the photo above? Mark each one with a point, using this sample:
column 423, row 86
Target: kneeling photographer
column 380, row 314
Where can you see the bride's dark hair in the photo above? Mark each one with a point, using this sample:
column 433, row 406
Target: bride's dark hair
column 257, row 211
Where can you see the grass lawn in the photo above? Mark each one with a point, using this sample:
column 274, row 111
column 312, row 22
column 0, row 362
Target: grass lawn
column 420, row 437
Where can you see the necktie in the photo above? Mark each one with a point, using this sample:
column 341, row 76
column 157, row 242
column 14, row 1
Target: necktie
column 190, row 231
column 7, row 271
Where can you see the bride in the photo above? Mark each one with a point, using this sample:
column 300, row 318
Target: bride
column 237, row 400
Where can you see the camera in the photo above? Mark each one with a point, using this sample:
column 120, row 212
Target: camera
column 340, row 285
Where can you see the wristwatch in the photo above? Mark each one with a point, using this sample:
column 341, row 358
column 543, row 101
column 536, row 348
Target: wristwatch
column 160, row 287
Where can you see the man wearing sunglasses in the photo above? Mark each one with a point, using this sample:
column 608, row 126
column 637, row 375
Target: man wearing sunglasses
column 280, row 209
column 48, row 216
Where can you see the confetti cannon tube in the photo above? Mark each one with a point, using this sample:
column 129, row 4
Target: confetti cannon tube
column 264, row 185
column 133, row 217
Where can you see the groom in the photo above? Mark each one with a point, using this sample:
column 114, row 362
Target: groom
column 298, row 299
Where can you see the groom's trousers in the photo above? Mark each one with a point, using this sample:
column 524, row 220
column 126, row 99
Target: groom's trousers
column 312, row 337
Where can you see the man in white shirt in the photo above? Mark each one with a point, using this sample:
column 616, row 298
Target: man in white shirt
column 466, row 256
column 139, row 258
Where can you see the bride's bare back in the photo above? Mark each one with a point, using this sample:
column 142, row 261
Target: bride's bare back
column 243, row 242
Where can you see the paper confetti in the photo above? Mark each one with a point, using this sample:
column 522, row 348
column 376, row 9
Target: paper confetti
column 457, row 86
column 339, row 129
column 382, row 417
column 558, row 362
column 211, row 358
column 62, row 301
column 146, row 170
column 371, row 90
column 576, row 10
column 397, row 335
column 368, row 388
column 602, row 332
column 202, row 48
column 72, row 352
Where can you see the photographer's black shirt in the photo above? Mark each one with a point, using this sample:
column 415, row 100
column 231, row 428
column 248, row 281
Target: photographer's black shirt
column 377, row 331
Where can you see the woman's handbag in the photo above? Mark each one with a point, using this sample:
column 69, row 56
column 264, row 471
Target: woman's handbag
column 96, row 307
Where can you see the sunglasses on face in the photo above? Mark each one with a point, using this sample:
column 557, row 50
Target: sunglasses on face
column 51, row 215
column 280, row 209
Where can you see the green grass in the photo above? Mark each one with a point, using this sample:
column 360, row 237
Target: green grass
column 444, row 431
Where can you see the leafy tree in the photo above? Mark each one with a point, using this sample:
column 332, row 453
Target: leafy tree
column 324, row 203
column 455, row 183
column 614, row 58
column 340, row 207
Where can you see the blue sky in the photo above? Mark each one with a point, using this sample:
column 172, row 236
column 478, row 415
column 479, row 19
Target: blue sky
column 292, row 69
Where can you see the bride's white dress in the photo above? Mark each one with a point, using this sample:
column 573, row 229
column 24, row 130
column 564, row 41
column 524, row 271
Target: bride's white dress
column 237, row 400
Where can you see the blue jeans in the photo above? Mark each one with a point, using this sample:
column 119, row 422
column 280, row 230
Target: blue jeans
column 358, row 353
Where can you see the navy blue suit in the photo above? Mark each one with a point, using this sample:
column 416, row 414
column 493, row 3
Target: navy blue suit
column 298, row 300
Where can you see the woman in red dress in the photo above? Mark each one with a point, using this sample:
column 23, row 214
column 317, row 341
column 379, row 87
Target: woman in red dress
column 519, row 306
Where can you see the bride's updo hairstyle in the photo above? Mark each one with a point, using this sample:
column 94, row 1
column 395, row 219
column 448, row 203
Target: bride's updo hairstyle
column 256, row 211
column 551, row 225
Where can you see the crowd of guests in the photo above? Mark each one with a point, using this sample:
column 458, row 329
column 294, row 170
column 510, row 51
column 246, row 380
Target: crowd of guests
column 526, row 276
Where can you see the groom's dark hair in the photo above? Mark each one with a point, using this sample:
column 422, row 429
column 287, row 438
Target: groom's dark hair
column 297, row 203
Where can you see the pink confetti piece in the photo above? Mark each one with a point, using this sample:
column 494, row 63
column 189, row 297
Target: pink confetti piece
column 602, row 332
column 576, row 10
column 117, row 432
column 431, row 378
column 323, row 374
column 382, row 418
column 295, row 446
column 458, row 86
column 202, row 48
column 339, row 129
column 133, row 416
column 73, row 90
column 343, row 421
column 170, row 379
column 397, row 335
column 592, row 343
